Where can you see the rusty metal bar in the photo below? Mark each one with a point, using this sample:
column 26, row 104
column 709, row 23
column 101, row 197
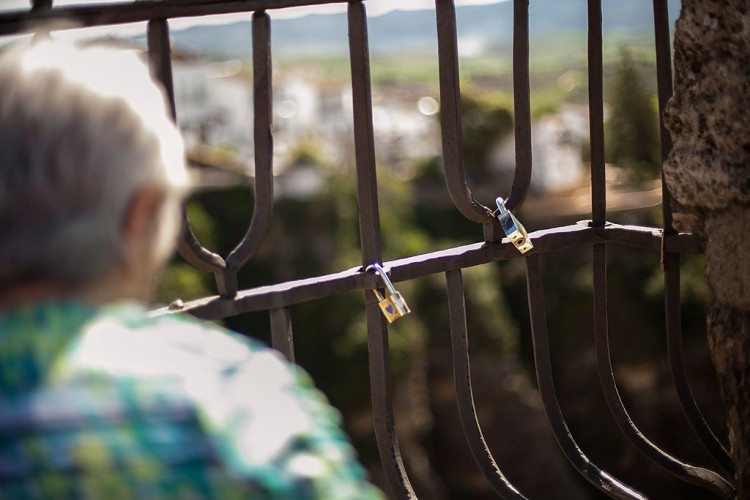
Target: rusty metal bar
column 450, row 117
column 599, row 478
column 364, row 136
column 671, row 260
column 278, row 298
column 81, row 16
column 596, row 114
column 369, row 227
column 160, row 63
column 263, row 118
column 665, row 90
column 521, row 105
column 679, row 369
column 464, row 396
column 308, row 289
column 160, row 59
column 282, row 338
column 41, row 6
column 685, row 472
column 634, row 237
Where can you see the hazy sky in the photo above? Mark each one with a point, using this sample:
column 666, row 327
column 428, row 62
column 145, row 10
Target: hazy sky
column 378, row 7
column 374, row 8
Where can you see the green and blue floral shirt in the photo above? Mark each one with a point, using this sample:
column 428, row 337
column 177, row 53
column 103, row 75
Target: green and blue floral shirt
column 109, row 403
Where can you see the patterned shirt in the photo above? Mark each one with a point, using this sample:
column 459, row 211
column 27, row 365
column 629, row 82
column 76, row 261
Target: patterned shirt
column 109, row 403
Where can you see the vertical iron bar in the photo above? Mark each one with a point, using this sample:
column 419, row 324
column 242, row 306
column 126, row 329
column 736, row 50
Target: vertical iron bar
column 160, row 63
column 596, row 114
column 464, row 395
column 671, row 261
column 160, row 58
column 369, row 228
column 521, row 105
column 282, row 338
column 679, row 369
column 543, row 363
column 665, row 90
column 450, row 117
column 685, row 472
column 364, row 137
column 38, row 6
column 263, row 119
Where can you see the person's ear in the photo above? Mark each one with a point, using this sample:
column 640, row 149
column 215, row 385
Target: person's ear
column 141, row 215
column 139, row 226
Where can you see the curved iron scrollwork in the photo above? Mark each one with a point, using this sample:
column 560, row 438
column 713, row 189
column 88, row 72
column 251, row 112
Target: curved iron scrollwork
column 688, row 473
column 278, row 299
column 189, row 247
column 602, row 480
column 450, row 116
column 464, row 396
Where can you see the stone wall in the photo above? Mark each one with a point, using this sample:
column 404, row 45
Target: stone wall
column 708, row 174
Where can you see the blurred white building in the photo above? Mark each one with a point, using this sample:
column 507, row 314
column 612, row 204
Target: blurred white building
column 214, row 104
column 215, row 108
column 556, row 149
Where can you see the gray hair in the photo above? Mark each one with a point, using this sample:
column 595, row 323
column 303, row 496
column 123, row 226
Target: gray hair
column 81, row 131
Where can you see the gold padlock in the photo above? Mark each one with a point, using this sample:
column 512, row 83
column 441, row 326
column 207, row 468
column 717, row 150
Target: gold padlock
column 512, row 228
column 393, row 305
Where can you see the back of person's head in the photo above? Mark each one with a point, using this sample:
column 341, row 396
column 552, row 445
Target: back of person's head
column 83, row 131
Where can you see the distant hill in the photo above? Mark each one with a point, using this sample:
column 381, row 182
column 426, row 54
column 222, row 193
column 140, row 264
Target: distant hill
column 415, row 31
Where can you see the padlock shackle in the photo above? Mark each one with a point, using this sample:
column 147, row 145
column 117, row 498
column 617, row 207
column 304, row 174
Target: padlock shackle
column 393, row 306
column 378, row 269
column 500, row 205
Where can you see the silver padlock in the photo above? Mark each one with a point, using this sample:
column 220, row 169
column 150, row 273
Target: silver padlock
column 393, row 305
column 513, row 229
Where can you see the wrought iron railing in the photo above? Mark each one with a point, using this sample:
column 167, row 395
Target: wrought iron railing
column 597, row 233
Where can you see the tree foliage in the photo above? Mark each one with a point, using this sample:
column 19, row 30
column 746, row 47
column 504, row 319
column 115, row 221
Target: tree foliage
column 632, row 140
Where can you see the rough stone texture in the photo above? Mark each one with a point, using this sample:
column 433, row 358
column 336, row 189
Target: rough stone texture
column 709, row 115
column 708, row 174
column 729, row 340
column 728, row 255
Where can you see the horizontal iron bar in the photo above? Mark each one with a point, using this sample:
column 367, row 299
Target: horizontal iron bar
column 102, row 14
column 547, row 240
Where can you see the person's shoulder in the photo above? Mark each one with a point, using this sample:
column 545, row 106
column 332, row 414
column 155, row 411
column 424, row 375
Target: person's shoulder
column 126, row 339
column 262, row 414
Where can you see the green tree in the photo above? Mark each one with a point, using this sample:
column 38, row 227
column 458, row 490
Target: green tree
column 485, row 120
column 632, row 130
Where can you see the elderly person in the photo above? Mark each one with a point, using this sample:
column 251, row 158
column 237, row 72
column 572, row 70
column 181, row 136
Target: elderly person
column 97, row 399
